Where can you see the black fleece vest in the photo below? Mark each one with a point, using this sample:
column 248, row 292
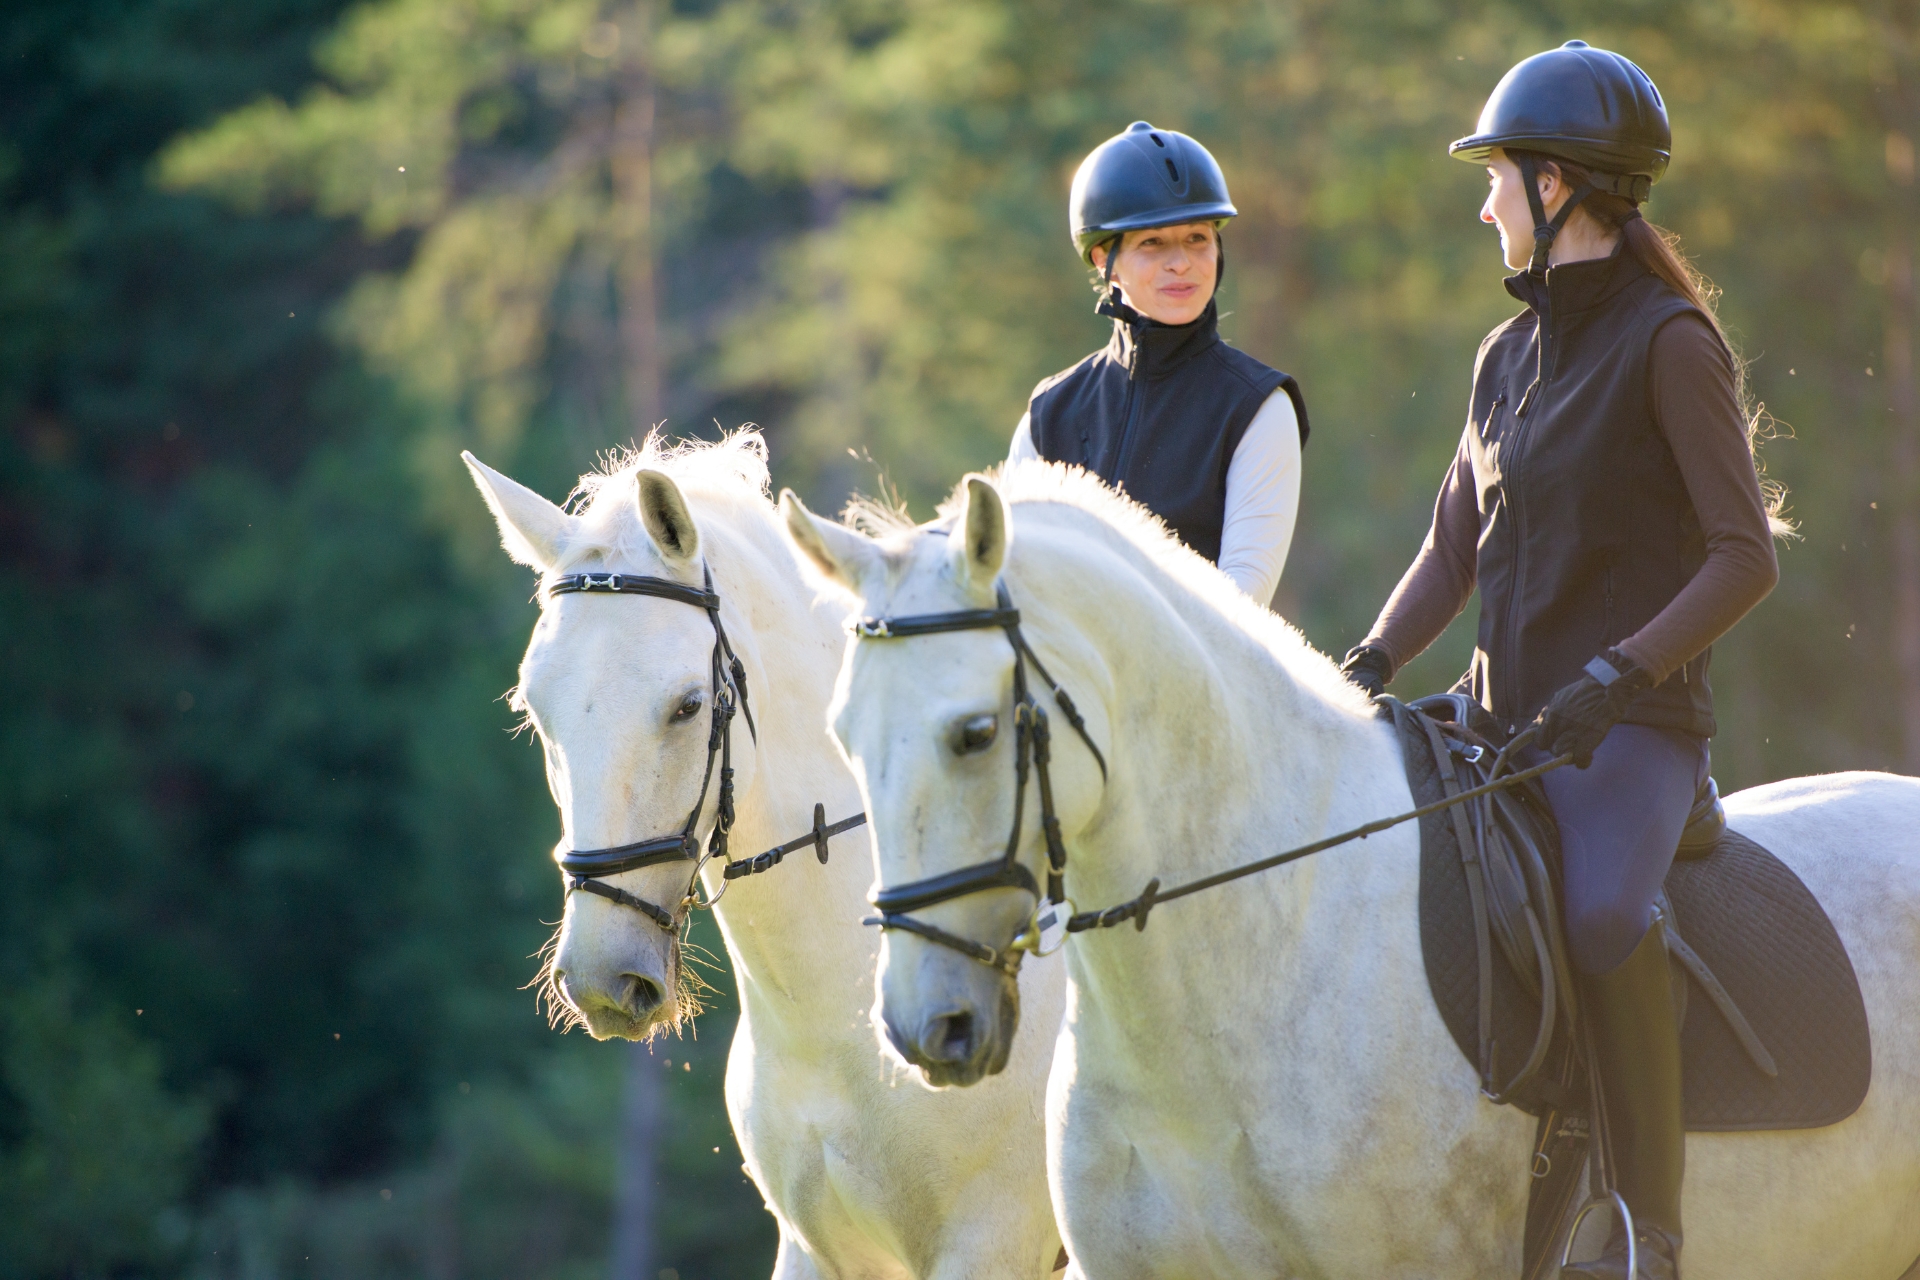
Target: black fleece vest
column 1586, row 530
column 1158, row 413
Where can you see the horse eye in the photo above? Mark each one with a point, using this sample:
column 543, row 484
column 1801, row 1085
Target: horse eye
column 689, row 708
column 975, row 733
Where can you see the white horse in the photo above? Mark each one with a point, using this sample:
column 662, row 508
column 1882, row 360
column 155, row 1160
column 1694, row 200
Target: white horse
column 870, row 1176
column 1259, row 1084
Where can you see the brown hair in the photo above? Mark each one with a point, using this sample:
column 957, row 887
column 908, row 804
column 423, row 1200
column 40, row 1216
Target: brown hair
column 1658, row 250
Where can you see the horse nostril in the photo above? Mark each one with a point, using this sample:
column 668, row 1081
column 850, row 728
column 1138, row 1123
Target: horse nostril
column 951, row 1037
column 642, row 995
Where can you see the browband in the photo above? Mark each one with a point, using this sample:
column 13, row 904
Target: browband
column 634, row 584
column 926, row 624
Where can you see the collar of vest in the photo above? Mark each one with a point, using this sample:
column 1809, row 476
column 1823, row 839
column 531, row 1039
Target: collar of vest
column 1162, row 347
column 1573, row 287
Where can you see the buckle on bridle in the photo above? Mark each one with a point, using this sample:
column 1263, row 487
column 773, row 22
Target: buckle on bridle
column 1046, row 930
column 873, row 628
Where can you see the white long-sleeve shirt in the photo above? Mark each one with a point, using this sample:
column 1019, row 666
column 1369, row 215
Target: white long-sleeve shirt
column 1263, row 495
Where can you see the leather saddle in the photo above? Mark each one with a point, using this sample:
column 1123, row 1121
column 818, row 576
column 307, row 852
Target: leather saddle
column 1778, row 1038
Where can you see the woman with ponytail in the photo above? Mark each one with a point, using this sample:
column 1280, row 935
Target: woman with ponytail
column 1605, row 503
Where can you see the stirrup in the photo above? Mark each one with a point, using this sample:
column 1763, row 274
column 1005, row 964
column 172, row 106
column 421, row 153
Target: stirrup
column 1612, row 1200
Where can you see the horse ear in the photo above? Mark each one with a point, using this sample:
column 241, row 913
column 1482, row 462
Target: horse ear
column 664, row 511
column 531, row 528
column 841, row 555
column 980, row 549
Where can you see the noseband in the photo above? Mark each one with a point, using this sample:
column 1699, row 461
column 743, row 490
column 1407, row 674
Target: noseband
column 1032, row 752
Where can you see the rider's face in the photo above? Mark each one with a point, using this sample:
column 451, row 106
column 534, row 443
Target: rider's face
column 1506, row 205
column 1167, row 273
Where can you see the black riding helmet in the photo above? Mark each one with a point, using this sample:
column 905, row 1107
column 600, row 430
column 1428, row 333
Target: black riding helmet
column 1586, row 105
column 1145, row 177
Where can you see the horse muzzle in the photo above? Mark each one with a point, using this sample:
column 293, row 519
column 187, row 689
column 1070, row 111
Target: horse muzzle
column 625, row 1006
column 960, row 1045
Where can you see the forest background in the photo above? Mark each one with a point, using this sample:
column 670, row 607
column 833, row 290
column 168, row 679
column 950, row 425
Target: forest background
column 274, row 860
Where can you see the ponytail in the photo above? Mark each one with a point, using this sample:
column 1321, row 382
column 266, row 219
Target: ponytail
column 1658, row 250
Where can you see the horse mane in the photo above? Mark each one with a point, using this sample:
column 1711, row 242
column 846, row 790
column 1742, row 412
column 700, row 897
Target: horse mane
column 1037, row 486
column 729, row 473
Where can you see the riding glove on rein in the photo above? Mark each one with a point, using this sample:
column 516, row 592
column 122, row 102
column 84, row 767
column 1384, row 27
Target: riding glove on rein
column 1368, row 667
column 1577, row 717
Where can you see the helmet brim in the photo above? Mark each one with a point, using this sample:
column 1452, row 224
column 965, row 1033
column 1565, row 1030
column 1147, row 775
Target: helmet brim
column 1216, row 212
column 1478, row 149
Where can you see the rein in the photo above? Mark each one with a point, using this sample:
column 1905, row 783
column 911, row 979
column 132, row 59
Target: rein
column 1047, row 928
column 584, row 867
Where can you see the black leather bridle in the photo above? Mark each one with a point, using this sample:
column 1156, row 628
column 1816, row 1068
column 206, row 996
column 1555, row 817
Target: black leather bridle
column 584, row 867
column 1054, row 918
column 1032, row 752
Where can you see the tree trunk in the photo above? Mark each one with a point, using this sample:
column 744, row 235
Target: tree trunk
column 1903, row 395
column 633, row 1255
column 1904, row 473
column 632, row 165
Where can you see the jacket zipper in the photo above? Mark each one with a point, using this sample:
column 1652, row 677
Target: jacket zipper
column 1609, row 631
column 1510, row 469
column 1132, row 404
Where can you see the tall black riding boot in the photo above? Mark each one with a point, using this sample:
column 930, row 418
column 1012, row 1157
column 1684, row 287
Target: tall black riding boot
column 1630, row 1013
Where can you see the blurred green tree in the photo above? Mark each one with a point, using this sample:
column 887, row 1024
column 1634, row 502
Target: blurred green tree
column 269, row 265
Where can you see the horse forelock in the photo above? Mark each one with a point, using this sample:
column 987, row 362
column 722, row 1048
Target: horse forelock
column 1043, row 494
column 728, row 475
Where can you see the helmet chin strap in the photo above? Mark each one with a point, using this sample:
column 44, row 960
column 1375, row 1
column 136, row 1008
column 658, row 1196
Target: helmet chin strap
column 1110, row 300
column 1545, row 231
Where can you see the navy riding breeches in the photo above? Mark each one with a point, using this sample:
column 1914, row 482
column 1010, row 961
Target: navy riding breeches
column 1620, row 822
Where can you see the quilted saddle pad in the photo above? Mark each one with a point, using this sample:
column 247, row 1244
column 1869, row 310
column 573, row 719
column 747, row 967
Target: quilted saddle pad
column 1757, row 927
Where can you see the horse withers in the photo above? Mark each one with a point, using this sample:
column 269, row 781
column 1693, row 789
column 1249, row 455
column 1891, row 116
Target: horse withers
column 867, row 1172
column 1258, row 1082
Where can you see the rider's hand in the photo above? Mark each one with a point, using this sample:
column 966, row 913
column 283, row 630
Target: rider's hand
column 1579, row 716
column 1369, row 667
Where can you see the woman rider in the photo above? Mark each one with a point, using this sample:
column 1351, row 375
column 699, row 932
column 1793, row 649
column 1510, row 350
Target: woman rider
column 1204, row 435
column 1604, row 501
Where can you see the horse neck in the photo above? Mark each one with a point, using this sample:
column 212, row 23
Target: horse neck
column 1225, row 748
column 776, row 924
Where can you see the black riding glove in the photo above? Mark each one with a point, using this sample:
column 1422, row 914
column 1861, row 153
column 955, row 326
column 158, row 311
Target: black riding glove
column 1369, row 667
column 1577, row 717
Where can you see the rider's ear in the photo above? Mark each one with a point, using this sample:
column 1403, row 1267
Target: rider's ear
column 842, row 555
column 978, row 547
column 665, row 514
column 531, row 528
